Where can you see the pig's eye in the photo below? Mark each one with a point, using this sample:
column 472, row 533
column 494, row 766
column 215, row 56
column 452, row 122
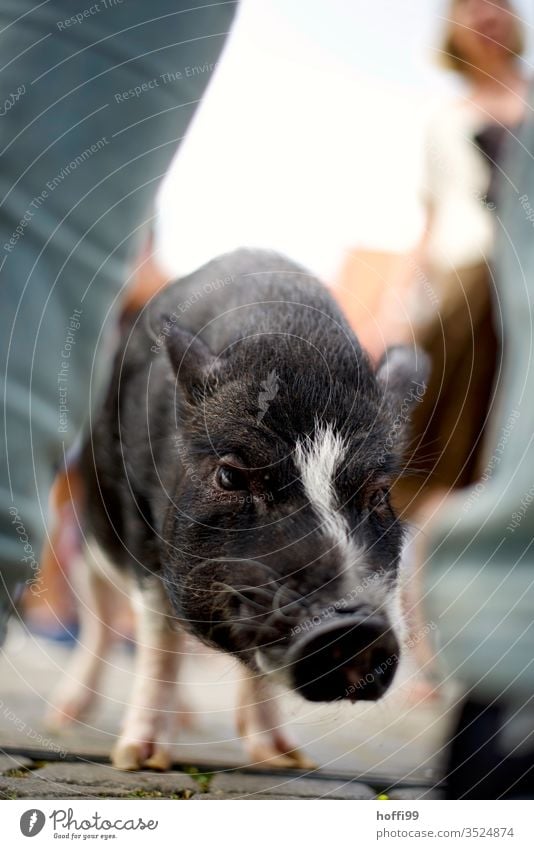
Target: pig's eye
column 230, row 479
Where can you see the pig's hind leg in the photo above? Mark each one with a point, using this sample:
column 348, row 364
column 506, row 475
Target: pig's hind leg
column 259, row 724
column 150, row 722
column 96, row 601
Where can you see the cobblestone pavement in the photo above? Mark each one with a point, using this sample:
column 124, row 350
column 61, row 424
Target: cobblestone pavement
column 394, row 747
column 26, row 778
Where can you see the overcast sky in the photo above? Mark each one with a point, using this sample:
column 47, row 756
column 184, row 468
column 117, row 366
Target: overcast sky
column 309, row 138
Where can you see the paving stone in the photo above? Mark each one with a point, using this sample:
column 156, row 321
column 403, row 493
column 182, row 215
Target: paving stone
column 244, row 785
column 401, row 793
column 219, row 796
column 94, row 773
column 87, row 781
column 61, row 779
column 32, row 788
column 11, row 762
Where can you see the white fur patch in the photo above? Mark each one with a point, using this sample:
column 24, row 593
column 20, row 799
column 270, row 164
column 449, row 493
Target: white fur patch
column 318, row 460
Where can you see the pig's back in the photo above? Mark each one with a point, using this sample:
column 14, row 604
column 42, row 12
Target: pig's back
column 248, row 290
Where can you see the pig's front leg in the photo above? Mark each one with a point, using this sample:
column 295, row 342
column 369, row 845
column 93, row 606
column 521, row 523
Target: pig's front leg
column 150, row 721
column 260, row 726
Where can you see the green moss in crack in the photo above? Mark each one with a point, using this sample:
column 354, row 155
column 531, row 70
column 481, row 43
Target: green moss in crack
column 17, row 772
column 203, row 779
column 23, row 771
column 157, row 794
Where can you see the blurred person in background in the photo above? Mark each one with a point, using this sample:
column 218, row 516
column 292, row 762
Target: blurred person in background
column 477, row 557
column 442, row 297
column 466, row 295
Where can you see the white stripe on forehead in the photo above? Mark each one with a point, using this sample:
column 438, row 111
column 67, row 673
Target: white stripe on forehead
column 318, row 459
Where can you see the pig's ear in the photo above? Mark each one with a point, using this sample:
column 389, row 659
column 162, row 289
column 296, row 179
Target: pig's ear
column 403, row 373
column 194, row 365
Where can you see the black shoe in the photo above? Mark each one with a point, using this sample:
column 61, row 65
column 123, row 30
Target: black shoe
column 489, row 757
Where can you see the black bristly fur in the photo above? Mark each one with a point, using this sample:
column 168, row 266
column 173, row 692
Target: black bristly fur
column 185, row 391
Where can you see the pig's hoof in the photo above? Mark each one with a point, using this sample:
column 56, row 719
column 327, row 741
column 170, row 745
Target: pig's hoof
column 267, row 755
column 134, row 755
column 160, row 760
column 299, row 760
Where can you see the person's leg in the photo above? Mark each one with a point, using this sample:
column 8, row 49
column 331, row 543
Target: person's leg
column 480, row 576
column 98, row 96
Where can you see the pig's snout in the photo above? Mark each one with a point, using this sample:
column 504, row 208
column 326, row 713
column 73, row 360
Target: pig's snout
column 351, row 658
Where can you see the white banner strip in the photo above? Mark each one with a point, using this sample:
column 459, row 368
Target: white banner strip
column 309, row 824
